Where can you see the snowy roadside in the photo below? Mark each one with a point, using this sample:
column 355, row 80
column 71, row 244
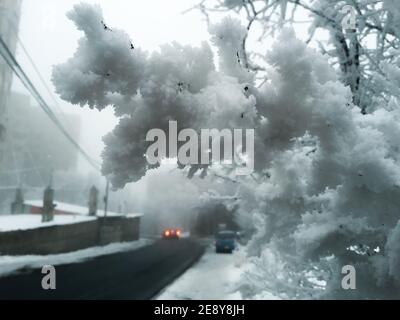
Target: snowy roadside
column 10, row 264
column 34, row 221
column 213, row 278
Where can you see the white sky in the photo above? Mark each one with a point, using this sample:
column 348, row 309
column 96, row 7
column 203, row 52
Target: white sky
column 50, row 38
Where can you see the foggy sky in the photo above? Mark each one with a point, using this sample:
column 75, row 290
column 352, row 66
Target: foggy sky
column 51, row 39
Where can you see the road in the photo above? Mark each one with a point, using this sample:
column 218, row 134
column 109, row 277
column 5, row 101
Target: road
column 138, row 274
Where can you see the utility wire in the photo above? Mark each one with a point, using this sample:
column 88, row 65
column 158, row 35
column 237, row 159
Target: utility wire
column 15, row 30
column 14, row 65
column 36, row 69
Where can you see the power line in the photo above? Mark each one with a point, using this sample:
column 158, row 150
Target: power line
column 15, row 30
column 14, row 65
column 44, row 83
column 36, row 69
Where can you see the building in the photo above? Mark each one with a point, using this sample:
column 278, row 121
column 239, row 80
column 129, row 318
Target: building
column 10, row 13
column 35, row 147
column 211, row 218
column 34, row 150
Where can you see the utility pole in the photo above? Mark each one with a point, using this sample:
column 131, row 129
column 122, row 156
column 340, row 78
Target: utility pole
column 48, row 205
column 106, row 198
column 93, row 201
column 18, row 207
column 48, row 201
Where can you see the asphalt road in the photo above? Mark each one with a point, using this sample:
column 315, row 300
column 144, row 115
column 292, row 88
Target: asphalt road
column 138, row 274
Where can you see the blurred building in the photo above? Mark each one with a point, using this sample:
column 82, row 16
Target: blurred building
column 10, row 12
column 211, row 218
column 35, row 147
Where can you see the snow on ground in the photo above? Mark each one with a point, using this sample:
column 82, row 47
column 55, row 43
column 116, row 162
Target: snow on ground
column 10, row 264
column 33, row 221
column 213, row 278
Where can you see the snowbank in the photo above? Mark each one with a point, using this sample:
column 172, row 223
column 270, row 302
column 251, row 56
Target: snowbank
column 10, row 264
column 214, row 277
column 32, row 221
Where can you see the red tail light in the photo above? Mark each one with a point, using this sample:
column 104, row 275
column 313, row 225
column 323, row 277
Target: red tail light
column 178, row 232
column 167, row 233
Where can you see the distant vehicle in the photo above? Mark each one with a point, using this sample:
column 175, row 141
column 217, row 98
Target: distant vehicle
column 225, row 241
column 172, row 234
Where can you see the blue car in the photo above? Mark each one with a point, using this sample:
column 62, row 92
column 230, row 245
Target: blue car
column 225, row 241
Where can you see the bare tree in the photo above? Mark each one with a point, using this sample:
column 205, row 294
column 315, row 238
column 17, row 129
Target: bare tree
column 358, row 53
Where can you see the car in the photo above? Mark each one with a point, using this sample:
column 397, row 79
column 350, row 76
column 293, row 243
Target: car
column 225, row 241
column 172, row 234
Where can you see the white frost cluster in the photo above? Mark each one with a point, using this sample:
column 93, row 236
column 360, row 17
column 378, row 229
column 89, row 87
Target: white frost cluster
column 147, row 91
column 327, row 178
column 333, row 178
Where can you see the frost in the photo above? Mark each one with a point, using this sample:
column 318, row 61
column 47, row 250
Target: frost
column 326, row 177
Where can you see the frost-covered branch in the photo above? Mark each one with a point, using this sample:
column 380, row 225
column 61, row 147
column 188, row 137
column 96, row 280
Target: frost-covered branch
column 374, row 19
column 326, row 177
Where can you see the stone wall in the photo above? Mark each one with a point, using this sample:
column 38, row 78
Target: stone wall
column 66, row 238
